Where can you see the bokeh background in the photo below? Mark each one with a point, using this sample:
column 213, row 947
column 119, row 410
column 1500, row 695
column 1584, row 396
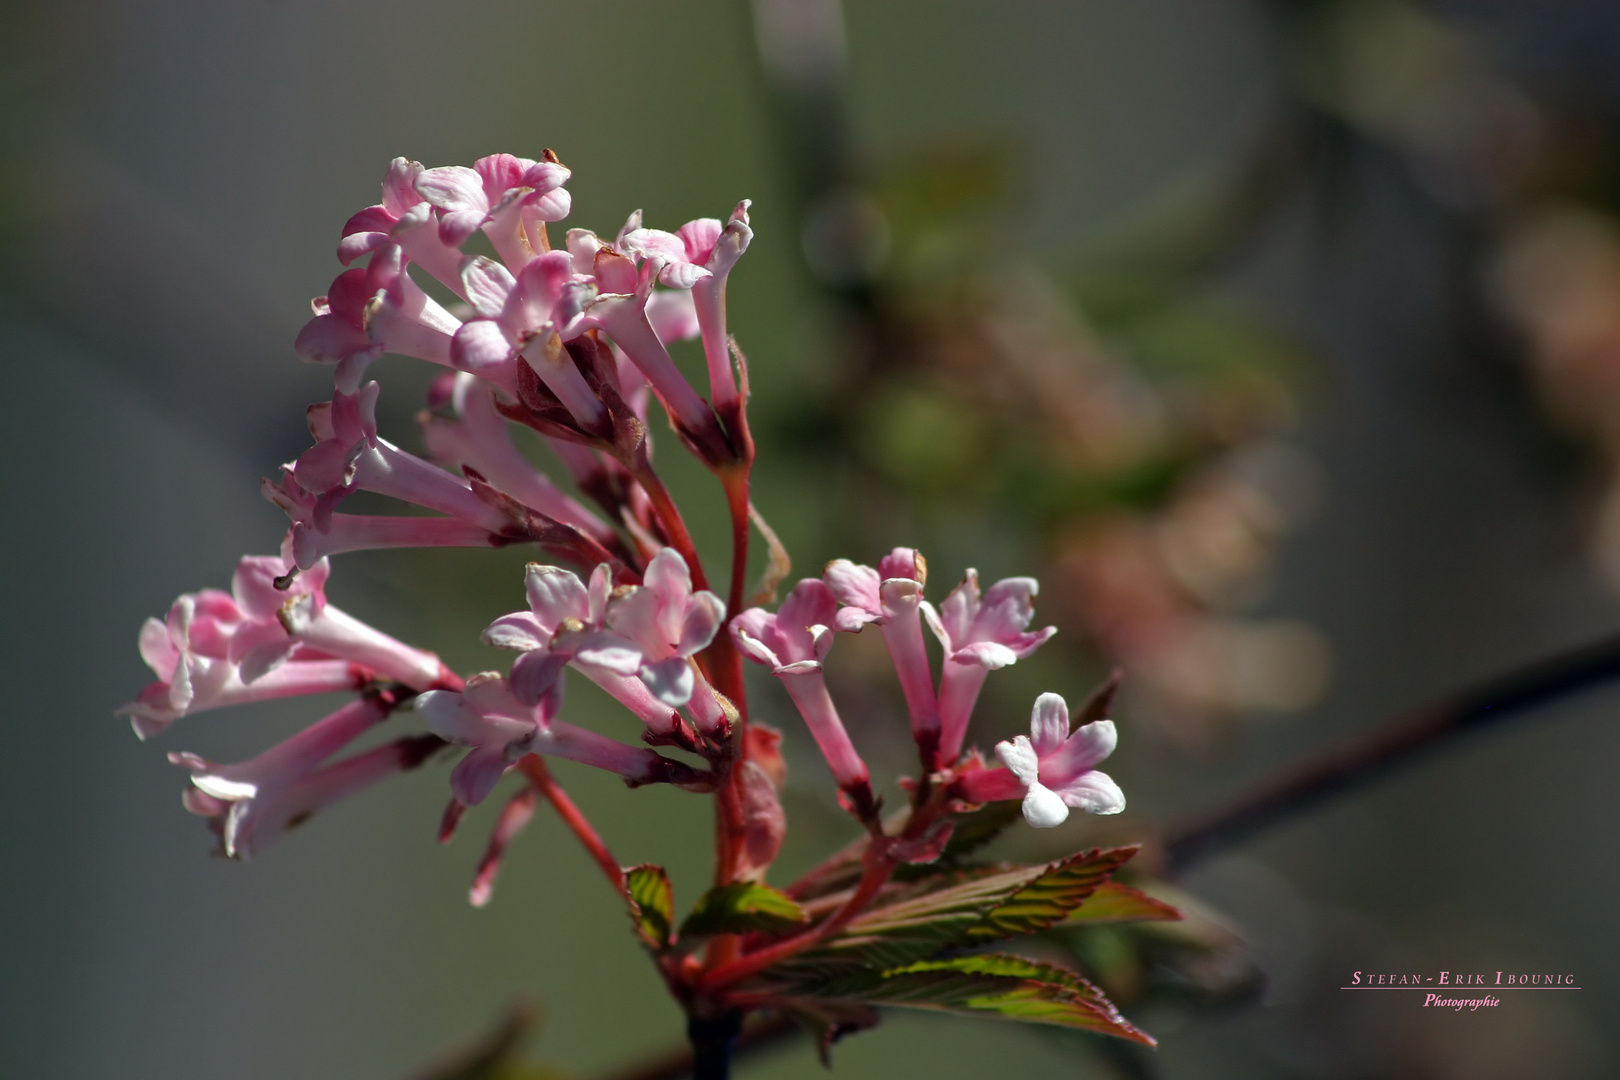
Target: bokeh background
column 1282, row 339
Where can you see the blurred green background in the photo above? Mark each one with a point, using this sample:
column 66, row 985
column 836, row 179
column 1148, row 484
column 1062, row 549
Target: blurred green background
column 1249, row 326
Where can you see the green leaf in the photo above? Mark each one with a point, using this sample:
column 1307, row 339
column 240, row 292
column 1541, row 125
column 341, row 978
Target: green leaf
column 744, row 907
column 996, row 985
column 1048, row 898
column 913, row 929
column 1113, row 902
column 652, row 904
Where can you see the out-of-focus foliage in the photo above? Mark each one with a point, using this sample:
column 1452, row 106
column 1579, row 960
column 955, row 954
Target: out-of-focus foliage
column 1125, row 418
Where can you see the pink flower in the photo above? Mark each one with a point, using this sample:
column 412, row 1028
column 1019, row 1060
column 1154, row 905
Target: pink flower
column 891, row 597
column 248, row 825
column 669, row 623
column 250, row 788
column 621, row 308
column 1051, row 769
column 979, row 636
column 260, row 643
column 403, row 218
column 506, row 196
column 637, row 644
column 318, row 532
column 348, row 455
column 368, row 312
column 699, row 256
column 475, row 436
column 501, row 726
column 519, row 316
column 793, row 643
column 191, row 655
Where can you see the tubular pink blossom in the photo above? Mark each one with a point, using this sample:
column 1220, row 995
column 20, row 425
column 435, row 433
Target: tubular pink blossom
column 249, row 826
column 404, row 219
column 633, row 694
column 891, row 597
column 363, row 532
column 501, row 727
column 296, row 619
column 481, row 440
column 793, row 642
column 371, row 311
column 348, row 455
column 214, row 684
column 289, row 760
column 979, row 636
column 808, row 689
column 709, row 297
column 624, row 317
column 566, row 624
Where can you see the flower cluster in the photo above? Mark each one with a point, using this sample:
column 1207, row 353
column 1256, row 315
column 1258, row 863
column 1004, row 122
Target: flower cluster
column 572, row 342
column 977, row 633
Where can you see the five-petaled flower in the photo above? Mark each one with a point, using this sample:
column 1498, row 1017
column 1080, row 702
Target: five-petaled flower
column 1050, row 768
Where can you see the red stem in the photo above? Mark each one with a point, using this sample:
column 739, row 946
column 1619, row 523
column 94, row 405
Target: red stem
column 878, row 872
column 535, row 769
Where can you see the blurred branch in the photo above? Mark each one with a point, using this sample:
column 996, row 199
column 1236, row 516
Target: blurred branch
column 1405, row 739
column 676, row 1062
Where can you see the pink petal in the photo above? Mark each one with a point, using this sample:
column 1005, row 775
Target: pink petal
column 499, row 173
column 681, row 275
column 476, row 775
column 327, row 339
column 355, row 244
column 399, row 185
column 650, row 242
column 990, row 655
column 552, row 206
column 449, row 715
column 480, row 345
column 488, row 285
column 704, row 614
column 669, row 680
column 537, row 683
column 1093, row 792
column 902, row 563
column 1081, row 752
column 605, row 650
column 1044, row 808
column 453, row 189
column 1020, row 759
column 325, row 466
column 158, row 650
column 748, row 640
column 854, row 585
column 698, row 237
column 1049, row 726
column 519, row 630
column 554, row 594
column 668, row 578
column 957, row 613
column 672, row 315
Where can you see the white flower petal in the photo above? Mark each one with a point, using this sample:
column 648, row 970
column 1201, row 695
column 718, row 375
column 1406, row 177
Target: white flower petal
column 1020, row 759
column 1043, row 809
